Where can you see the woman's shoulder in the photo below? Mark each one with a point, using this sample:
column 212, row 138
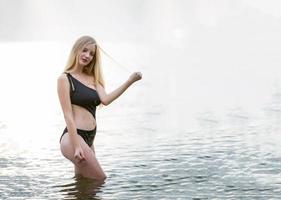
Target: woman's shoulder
column 62, row 77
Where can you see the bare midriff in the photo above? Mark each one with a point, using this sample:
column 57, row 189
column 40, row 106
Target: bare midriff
column 83, row 118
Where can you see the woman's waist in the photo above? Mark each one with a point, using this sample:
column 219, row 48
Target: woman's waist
column 82, row 130
column 83, row 119
column 85, row 123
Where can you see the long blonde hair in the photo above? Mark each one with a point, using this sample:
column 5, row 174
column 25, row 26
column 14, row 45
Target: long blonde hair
column 94, row 67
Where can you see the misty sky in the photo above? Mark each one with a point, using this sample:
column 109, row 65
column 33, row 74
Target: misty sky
column 171, row 21
column 195, row 55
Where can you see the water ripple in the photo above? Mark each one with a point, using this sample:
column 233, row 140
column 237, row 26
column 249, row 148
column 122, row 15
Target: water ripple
column 221, row 164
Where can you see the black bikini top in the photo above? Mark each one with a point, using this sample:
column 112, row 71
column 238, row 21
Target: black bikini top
column 82, row 95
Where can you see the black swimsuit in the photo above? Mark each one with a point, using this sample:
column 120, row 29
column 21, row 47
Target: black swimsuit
column 86, row 97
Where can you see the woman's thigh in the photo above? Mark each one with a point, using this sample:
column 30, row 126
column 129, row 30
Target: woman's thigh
column 89, row 168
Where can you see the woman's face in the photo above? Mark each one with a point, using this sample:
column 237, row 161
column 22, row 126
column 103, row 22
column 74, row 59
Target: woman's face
column 87, row 54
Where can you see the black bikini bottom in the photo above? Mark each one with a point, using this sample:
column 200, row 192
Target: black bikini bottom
column 87, row 135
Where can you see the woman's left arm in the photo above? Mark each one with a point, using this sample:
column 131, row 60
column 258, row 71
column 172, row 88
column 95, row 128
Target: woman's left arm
column 106, row 99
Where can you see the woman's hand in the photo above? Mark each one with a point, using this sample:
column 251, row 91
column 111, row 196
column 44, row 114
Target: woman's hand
column 79, row 154
column 135, row 76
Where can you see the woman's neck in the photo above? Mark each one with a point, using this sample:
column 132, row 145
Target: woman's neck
column 77, row 69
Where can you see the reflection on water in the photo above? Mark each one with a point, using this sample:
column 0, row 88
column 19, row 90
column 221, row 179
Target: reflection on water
column 80, row 188
column 235, row 156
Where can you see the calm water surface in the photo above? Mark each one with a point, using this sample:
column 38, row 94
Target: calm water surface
column 238, row 159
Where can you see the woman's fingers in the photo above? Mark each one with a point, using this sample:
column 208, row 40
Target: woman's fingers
column 136, row 76
column 139, row 75
column 80, row 159
column 79, row 155
column 82, row 156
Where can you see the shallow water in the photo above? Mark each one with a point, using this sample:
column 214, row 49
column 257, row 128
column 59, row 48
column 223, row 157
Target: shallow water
column 238, row 159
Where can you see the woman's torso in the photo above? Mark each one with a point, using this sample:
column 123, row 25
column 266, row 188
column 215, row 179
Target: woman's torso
column 83, row 119
column 84, row 99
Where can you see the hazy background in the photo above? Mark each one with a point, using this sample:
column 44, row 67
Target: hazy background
column 195, row 56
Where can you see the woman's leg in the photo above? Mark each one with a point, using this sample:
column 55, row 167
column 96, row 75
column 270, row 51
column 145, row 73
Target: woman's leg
column 89, row 168
column 76, row 170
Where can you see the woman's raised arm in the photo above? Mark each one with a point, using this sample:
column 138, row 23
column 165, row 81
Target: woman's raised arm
column 106, row 99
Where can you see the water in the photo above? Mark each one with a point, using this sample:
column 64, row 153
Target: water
column 235, row 159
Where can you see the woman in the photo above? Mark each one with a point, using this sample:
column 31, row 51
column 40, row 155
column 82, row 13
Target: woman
column 80, row 89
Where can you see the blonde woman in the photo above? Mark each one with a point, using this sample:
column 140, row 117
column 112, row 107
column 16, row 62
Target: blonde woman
column 80, row 89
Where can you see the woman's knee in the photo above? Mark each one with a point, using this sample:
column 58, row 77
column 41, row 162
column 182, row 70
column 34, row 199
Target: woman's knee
column 91, row 168
column 92, row 173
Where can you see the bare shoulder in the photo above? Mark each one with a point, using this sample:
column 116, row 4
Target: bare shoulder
column 62, row 78
column 98, row 85
column 100, row 88
column 62, row 82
